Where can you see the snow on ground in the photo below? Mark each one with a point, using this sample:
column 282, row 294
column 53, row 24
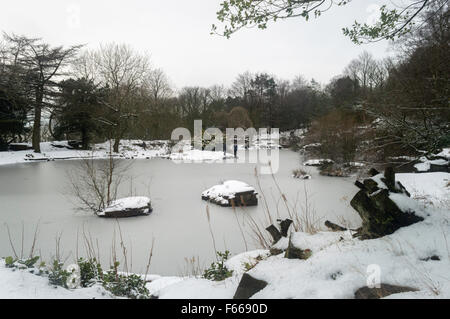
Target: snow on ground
column 128, row 149
column 199, row 288
column 20, row 284
column 445, row 153
column 337, row 271
column 425, row 164
column 431, row 187
column 133, row 149
column 58, row 151
column 199, row 156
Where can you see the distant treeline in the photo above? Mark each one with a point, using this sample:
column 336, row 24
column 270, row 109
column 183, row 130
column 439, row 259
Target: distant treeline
column 113, row 92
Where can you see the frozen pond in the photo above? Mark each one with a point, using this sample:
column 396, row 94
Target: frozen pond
column 37, row 193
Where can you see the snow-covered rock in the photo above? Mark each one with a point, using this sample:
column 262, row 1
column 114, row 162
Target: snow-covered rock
column 127, row 207
column 436, row 165
column 231, row 191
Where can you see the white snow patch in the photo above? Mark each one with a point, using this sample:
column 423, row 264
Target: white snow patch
column 237, row 262
column 319, row 240
column 21, row 284
column 425, row 164
column 428, row 187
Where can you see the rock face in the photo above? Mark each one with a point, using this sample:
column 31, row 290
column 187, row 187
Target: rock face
column 248, row 286
column 384, row 291
column 231, row 193
column 127, row 207
column 380, row 214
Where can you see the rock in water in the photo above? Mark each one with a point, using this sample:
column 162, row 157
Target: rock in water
column 248, row 286
column 127, row 207
column 231, row 193
column 380, row 214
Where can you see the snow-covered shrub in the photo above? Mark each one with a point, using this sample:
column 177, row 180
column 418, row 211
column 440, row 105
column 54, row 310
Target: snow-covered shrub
column 57, row 275
column 90, row 272
column 130, row 286
column 218, row 271
column 11, row 262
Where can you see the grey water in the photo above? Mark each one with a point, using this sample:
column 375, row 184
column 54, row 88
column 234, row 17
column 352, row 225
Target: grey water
column 38, row 194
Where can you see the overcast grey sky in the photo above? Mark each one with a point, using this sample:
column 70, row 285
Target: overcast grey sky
column 176, row 34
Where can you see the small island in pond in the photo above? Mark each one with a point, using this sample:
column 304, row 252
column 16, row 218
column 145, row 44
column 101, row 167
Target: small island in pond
column 128, row 207
column 231, row 193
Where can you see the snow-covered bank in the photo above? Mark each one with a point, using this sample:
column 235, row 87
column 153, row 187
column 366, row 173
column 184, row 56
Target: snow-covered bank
column 60, row 151
column 340, row 264
column 21, row 284
column 128, row 149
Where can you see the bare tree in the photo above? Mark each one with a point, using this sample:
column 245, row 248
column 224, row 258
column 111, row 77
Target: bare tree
column 158, row 86
column 365, row 70
column 242, row 85
column 122, row 71
column 414, row 107
column 95, row 183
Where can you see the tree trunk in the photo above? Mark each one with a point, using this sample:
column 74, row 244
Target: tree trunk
column 36, row 139
column 84, row 139
column 116, row 145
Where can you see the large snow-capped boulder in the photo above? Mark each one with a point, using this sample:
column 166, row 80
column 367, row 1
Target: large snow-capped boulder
column 231, row 193
column 128, row 207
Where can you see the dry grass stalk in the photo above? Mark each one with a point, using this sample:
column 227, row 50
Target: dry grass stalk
column 304, row 216
column 208, row 216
